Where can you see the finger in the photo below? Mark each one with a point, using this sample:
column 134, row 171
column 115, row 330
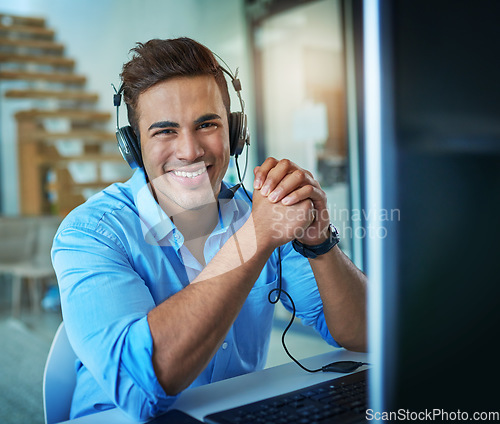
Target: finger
column 316, row 194
column 276, row 175
column 308, row 205
column 262, row 171
column 291, row 182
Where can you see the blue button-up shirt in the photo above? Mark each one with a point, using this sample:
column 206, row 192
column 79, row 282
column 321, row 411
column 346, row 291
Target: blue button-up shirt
column 118, row 256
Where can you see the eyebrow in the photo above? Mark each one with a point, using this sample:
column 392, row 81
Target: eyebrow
column 206, row 117
column 164, row 124
column 171, row 124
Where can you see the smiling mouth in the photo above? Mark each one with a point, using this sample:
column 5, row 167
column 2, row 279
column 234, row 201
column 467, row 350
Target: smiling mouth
column 186, row 174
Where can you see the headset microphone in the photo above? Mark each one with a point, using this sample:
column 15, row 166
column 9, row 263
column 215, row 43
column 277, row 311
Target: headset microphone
column 228, row 193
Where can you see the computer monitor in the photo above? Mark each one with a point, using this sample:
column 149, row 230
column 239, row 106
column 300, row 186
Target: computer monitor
column 431, row 150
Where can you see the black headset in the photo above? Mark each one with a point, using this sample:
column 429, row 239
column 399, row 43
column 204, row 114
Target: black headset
column 130, row 147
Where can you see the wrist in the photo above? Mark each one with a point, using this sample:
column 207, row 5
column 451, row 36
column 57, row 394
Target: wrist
column 262, row 239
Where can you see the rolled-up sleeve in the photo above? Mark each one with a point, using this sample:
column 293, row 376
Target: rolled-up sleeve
column 105, row 305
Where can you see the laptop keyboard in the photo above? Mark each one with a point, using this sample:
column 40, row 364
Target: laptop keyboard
column 342, row 400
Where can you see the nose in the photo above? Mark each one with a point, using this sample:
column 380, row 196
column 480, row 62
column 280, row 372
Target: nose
column 188, row 147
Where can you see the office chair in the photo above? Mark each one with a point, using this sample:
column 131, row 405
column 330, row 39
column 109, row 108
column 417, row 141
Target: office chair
column 59, row 378
column 25, row 244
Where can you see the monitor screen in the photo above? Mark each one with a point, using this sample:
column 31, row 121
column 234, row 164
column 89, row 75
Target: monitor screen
column 432, row 151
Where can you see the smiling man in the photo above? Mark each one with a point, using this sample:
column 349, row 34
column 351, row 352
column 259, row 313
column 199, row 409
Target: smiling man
column 163, row 285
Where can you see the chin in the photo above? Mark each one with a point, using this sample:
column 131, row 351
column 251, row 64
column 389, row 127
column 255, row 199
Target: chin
column 194, row 201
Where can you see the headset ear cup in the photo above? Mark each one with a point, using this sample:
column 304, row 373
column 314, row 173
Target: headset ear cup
column 129, row 146
column 238, row 133
column 234, row 123
column 136, row 145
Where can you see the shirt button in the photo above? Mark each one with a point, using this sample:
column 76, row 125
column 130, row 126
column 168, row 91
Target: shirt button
column 224, row 345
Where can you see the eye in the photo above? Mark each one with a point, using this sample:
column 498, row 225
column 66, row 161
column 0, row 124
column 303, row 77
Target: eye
column 164, row 132
column 208, row 125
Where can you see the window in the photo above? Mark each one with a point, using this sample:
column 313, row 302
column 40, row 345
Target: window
column 301, row 110
column 301, row 105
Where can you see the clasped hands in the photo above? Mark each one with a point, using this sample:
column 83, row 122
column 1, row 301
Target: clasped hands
column 288, row 203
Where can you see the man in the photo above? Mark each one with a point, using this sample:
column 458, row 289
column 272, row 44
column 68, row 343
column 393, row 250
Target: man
column 165, row 287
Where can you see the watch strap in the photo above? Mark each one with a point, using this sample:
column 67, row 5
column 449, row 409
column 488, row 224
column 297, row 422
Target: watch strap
column 319, row 249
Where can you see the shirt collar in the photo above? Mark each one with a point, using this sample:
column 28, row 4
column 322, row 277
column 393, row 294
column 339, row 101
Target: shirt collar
column 155, row 223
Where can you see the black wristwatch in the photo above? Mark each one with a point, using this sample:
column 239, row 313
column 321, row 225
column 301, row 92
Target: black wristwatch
column 319, row 249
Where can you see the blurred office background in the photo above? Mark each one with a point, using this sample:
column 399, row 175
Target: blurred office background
column 58, row 59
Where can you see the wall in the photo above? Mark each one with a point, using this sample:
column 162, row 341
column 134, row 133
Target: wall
column 98, row 34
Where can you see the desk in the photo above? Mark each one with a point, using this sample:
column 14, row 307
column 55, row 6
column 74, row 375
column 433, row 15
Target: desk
column 204, row 400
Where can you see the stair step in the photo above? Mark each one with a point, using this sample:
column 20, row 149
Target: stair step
column 79, row 187
column 76, row 95
column 97, row 184
column 72, row 114
column 33, row 44
column 58, row 61
column 44, row 76
column 62, row 77
column 29, row 30
column 65, row 160
column 85, row 135
column 7, row 18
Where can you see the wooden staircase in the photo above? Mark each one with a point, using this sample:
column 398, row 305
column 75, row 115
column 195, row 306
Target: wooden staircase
column 60, row 112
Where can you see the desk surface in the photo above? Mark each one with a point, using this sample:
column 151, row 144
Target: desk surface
column 204, row 400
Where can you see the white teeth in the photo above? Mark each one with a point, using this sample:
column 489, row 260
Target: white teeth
column 190, row 174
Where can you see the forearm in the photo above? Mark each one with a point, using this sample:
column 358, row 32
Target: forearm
column 188, row 328
column 342, row 287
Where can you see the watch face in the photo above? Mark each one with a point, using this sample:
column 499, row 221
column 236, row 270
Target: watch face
column 335, row 233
